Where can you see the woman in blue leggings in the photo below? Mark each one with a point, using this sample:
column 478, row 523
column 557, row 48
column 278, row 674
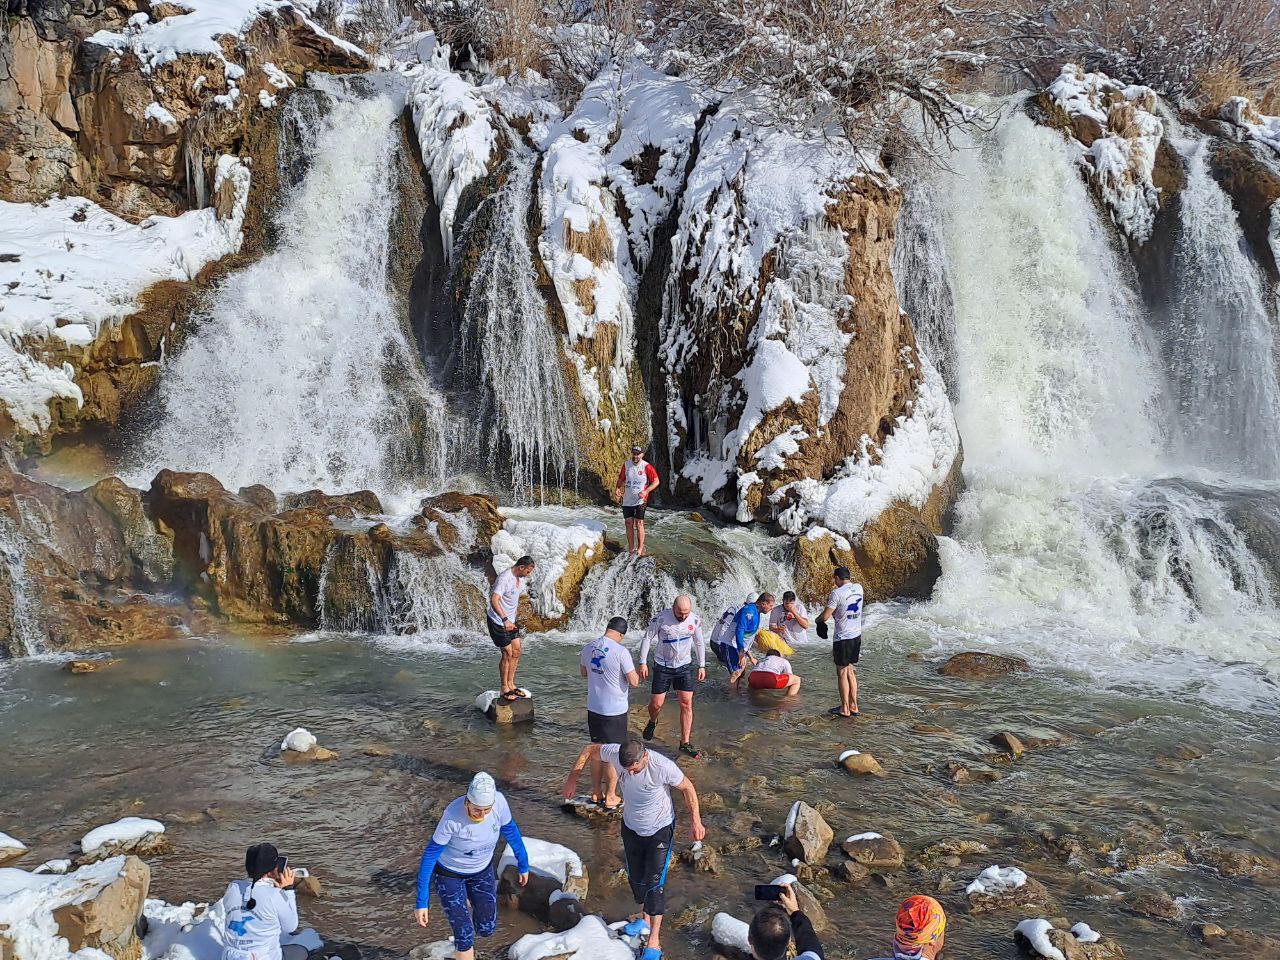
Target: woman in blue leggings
column 458, row 863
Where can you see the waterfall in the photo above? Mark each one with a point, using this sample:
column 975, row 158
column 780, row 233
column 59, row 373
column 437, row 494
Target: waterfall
column 298, row 372
column 25, row 635
column 1220, row 340
column 1075, row 541
column 506, row 345
column 923, row 278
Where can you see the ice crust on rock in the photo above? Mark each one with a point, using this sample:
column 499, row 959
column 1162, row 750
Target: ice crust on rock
column 125, row 830
column 551, row 545
column 1037, row 933
column 545, row 858
column 729, row 931
column 996, row 880
column 300, row 740
column 589, row 940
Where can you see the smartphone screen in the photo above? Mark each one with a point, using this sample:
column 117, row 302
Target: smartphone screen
column 768, row 891
column 281, row 863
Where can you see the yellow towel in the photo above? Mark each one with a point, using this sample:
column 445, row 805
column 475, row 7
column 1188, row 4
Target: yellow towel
column 770, row 642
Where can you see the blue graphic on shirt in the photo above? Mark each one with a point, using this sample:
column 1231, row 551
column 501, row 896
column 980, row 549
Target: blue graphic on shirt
column 239, row 927
column 601, row 653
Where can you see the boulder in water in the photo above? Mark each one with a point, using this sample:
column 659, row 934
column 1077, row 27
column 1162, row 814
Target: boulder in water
column 860, row 764
column 1009, row 743
column 555, row 873
column 975, row 665
column 730, row 936
column 85, row 666
column 491, row 704
column 1043, row 938
column 140, row 836
column 806, row 836
column 1150, row 902
column 874, row 850
column 1006, row 888
column 101, row 906
column 809, row 904
column 701, row 858
column 10, row 848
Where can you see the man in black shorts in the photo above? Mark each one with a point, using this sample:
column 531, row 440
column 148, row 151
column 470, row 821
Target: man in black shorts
column 504, row 599
column 610, row 674
column 636, row 480
column 674, row 633
column 844, row 611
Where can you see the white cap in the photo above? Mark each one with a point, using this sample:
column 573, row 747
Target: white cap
column 482, row 791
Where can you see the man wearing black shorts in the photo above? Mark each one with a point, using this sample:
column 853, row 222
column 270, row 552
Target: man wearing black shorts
column 636, row 480
column 675, row 633
column 504, row 599
column 844, row 610
column 610, row 674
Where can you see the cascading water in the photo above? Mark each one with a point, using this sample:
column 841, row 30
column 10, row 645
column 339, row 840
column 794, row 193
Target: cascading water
column 25, row 636
column 506, row 346
column 1073, row 543
column 298, row 373
column 923, row 279
column 1220, row 340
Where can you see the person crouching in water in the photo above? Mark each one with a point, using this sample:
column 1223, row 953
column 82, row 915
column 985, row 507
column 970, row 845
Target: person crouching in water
column 458, row 863
column 260, row 910
column 774, row 673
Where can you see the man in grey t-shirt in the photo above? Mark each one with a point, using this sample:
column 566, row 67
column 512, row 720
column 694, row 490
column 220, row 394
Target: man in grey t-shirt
column 645, row 780
column 610, row 674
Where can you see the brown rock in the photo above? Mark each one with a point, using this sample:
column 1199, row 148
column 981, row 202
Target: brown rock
column 316, row 754
column 511, row 711
column 930, row 729
column 1208, row 932
column 309, row 886
column 875, row 851
column 105, row 916
column 1238, row 863
column 1150, row 902
column 954, row 848
column 85, row 666
column 810, row 835
column 1252, row 180
column 704, row 859
column 377, row 750
column 862, row 764
column 1009, row 743
column 535, row 896
column 1032, row 898
column 850, row 871
column 975, row 665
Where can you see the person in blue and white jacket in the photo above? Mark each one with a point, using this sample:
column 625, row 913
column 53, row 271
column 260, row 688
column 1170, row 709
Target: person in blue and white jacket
column 261, row 909
column 458, row 863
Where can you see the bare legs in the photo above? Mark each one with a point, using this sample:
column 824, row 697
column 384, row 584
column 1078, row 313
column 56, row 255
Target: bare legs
column 640, row 553
column 631, row 535
column 655, row 928
column 686, row 714
column 507, row 665
column 793, row 686
column 604, row 782
column 848, row 679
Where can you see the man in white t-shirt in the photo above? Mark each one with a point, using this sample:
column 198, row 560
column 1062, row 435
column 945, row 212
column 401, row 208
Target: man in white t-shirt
column 844, row 610
column 675, row 634
column 636, row 480
column 790, row 620
column 645, row 780
column 610, row 674
column 504, row 600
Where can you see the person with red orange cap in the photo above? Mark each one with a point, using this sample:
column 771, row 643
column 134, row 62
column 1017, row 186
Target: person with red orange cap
column 922, row 928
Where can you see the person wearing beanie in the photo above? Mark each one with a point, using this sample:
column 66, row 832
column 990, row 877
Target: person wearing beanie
column 774, row 927
column 610, row 674
column 922, row 929
column 458, row 863
column 645, row 780
column 844, row 612
column 259, row 910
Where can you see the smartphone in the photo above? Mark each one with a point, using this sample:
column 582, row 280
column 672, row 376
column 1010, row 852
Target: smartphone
column 282, row 863
column 301, row 873
column 768, row 891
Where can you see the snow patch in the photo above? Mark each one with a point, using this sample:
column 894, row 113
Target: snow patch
column 125, row 830
column 299, row 740
column 589, row 940
column 846, row 755
column 729, row 931
column 545, row 859
column 864, row 836
column 11, row 845
column 1239, row 112
column 1037, row 933
column 995, row 880
column 1085, row 933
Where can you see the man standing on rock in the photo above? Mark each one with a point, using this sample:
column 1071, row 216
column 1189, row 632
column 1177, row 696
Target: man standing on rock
column 636, row 480
column 675, row 632
column 844, row 607
column 648, row 826
column 504, row 599
column 610, row 674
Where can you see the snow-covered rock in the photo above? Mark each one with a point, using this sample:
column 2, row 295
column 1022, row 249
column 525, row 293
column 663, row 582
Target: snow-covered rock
column 875, row 850
column 1035, row 933
column 1003, row 888
column 193, row 931
column 731, row 934
column 806, row 835
column 301, row 746
column 1255, row 125
column 563, row 553
column 131, row 834
column 591, row 939
column 299, row 740
column 555, row 873
column 10, row 847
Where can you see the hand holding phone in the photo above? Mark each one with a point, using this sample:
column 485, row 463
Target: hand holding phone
column 769, row 891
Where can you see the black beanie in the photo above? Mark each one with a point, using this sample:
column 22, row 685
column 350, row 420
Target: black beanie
column 260, row 860
column 619, row 624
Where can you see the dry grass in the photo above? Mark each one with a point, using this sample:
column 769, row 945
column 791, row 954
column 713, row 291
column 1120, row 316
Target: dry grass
column 1122, row 120
column 1220, row 83
column 585, row 291
column 1269, row 102
column 518, row 46
column 596, row 244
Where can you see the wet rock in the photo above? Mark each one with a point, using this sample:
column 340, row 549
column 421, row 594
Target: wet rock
column 1150, row 902
column 85, row 666
column 807, row 835
column 975, row 665
column 481, row 510
column 849, row 871
column 137, row 836
column 741, row 844
column 555, row 873
column 500, row 711
column 930, row 729
column 1184, row 751
column 1009, row 743
column 377, row 750
column 1237, row 863
column 954, row 848
column 874, row 850
column 313, row 754
column 696, row 517
column 958, row 773
column 1048, row 939
column 1042, row 743
column 1007, row 888
column 104, row 914
column 584, row 807
column 702, row 858
column 861, row 764
column 309, row 886
column 260, row 496
column 809, row 904
column 344, row 505
column 564, row 913
column 1208, row 932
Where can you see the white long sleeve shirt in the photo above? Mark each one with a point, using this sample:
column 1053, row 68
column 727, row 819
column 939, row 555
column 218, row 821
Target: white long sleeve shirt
column 255, row 934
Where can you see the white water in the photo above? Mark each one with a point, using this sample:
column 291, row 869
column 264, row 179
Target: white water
column 298, row 373
column 1221, row 343
column 1069, row 548
column 508, row 346
column 25, row 635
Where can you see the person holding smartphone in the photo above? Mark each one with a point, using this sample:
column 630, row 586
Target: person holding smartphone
column 458, row 864
column 774, row 927
column 261, row 909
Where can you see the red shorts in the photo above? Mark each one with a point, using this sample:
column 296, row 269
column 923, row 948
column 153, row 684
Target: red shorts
column 759, row 680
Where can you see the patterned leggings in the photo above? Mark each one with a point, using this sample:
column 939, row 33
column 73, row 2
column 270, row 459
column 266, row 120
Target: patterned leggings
column 470, row 904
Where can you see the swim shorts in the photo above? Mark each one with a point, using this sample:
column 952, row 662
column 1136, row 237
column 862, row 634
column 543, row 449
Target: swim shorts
column 762, row 680
column 634, row 513
column 729, row 655
column 671, row 678
column 607, row 728
column 500, row 635
column 846, row 652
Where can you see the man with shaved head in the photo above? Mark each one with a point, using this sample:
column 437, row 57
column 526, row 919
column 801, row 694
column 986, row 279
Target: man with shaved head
column 674, row 633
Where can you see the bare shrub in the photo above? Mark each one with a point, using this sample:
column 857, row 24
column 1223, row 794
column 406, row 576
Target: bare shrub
column 1174, row 46
column 596, row 244
column 508, row 35
column 857, row 63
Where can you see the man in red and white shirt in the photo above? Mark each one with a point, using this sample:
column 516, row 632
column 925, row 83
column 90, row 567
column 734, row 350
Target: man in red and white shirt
column 636, row 480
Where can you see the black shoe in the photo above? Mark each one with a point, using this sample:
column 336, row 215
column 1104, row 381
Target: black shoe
column 649, row 729
column 690, row 751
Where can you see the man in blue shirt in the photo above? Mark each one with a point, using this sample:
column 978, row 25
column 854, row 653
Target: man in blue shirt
column 735, row 633
column 458, row 862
